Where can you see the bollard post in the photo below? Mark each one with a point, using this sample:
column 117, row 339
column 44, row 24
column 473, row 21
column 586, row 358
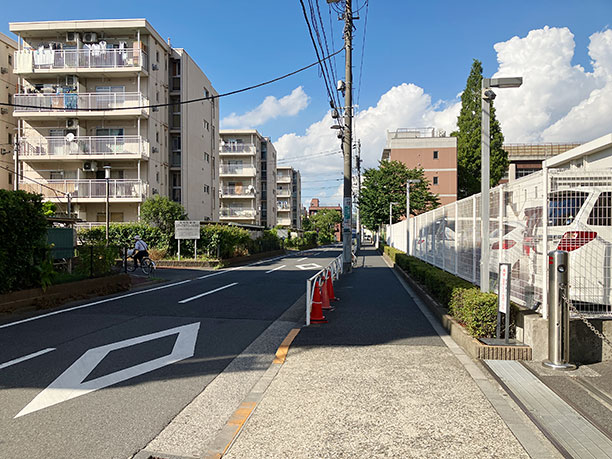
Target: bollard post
column 125, row 257
column 558, row 312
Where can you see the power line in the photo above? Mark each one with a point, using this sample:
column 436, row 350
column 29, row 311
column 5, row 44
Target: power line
column 183, row 102
column 302, row 158
column 365, row 27
column 32, row 180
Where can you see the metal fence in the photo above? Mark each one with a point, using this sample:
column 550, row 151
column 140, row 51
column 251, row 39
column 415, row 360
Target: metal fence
column 578, row 209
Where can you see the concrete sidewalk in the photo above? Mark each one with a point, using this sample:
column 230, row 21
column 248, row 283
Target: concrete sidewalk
column 378, row 380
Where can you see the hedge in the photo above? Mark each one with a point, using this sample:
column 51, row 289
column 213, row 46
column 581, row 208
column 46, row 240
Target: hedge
column 475, row 310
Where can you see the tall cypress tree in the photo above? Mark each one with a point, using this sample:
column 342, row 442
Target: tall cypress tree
column 469, row 138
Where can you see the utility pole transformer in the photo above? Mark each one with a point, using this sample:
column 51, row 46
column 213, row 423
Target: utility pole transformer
column 347, row 141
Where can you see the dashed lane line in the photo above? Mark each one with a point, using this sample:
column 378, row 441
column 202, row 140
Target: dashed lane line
column 275, row 269
column 187, row 300
column 25, row 357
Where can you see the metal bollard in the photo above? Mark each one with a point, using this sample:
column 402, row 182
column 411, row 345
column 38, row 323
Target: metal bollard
column 558, row 312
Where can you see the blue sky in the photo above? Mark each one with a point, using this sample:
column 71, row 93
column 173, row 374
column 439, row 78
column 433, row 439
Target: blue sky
column 427, row 44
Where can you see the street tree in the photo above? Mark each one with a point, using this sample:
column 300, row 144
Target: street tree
column 324, row 223
column 161, row 212
column 469, row 138
column 387, row 184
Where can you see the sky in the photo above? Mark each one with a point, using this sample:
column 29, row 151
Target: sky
column 408, row 72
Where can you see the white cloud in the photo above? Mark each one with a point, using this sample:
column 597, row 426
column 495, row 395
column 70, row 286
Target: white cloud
column 271, row 108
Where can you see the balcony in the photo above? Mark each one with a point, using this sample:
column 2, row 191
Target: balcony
column 237, row 192
column 229, row 170
column 91, row 62
column 281, row 178
column 237, row 214
column 88, row 190
column 237, row 150
column 283, row 221
column 282, row 193
column 90, row 105
column 102, row 147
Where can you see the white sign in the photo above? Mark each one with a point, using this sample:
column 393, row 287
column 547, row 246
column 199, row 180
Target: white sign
column 282, row 233
column 186, row 229
column 504, row 287
column 70, row 383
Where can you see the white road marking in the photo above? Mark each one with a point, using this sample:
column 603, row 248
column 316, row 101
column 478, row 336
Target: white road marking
column 272, row 270
column 70, row 383
column 186, row 300
column 308, row 266
column 302, row 259
column 225, row 271
column 25, row 357
column 61, row 311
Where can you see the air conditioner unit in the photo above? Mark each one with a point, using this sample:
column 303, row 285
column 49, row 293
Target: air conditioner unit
column 72, row 123
column 154, row 149
column 3, row 70
column 4, row 110
column 155, row 109
column 72, row 81
column 90, row 166
column 72, row 37
column 154, row 66
column 90, row 37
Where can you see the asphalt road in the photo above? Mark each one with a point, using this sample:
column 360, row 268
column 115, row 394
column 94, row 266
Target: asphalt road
column 104, row 377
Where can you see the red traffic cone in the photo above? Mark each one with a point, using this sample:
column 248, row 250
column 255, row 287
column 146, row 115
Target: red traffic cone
column 330, row 287
column 325, row 294
column 316, row 312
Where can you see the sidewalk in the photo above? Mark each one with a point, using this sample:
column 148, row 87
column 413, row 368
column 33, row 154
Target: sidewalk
column 378, row 380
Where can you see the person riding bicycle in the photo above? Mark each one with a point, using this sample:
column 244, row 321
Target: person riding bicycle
column 140, row 250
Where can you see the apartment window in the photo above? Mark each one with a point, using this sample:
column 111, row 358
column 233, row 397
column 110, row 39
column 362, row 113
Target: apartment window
column 157, row 96
column 10, row 98
column 157, row 56
column 176, row 143
column 10, row 178
column 206, row 125
column 435, row 180
column 10, row 139
column 207, row 189
column 435, row 156
column 157, row 136
column 10, row 59
column 157, row 177
column 207, row 157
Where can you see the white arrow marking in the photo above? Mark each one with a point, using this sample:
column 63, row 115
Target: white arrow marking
column 70, row 383
column 25, row 357
column 308, row 266
column 272, row 270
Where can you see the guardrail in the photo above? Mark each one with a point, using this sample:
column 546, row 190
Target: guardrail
column 336, row 268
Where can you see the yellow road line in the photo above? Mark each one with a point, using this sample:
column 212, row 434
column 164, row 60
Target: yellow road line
column 281, row 353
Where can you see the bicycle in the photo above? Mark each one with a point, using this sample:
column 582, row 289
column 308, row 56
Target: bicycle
column 146, row 264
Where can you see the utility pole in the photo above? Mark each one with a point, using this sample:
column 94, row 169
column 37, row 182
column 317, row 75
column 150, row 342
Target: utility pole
column 347, row 141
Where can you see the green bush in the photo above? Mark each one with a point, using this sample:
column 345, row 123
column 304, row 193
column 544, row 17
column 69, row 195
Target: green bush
column 96, row 260
column 476, row 310
column 23, row 248
column 308, row 241
column 122, row 235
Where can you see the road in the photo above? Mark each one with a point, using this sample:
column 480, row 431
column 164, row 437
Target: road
column 104, row 377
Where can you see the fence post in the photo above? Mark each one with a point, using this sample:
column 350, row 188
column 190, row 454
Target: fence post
column 545, row 266
column 475, row 279
column 125, row 249
column 501, row 256
column 456, row 245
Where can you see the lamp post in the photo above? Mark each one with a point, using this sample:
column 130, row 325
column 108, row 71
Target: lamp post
column 107, row 171
column 485, row 172
column 391, row 204
column 408, row 212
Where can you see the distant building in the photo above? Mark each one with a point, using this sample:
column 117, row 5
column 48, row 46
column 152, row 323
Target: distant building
column 593, row 155
column 316, row 207
column 527, row 158
column 430, row 150
column 247, row 178
column 289, row 197
column 8, row 125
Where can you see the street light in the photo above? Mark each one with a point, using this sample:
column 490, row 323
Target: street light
column 487, row 96
column 408, row 211
column 107, row 171
column 391, row 204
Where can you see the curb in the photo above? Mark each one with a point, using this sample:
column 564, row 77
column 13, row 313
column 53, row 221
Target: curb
column 470, row 345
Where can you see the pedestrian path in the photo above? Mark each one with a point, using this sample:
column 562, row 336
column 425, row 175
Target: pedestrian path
column 376, row 381
column 564, row 425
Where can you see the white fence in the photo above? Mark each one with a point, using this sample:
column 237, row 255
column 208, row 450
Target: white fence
column 578, row 209
column 336, row 268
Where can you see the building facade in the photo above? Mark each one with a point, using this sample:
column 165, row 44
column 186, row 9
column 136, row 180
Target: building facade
column 88, row 87
column 428, row 149
column 527, row 158
column 247, row 174
column 8, row 125
column 289, row 197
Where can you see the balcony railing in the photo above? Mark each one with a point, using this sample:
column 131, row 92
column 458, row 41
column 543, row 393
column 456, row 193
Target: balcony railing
column 95, row 189
column 282, row 192
column 237, row 170
column 237, row 213
column 238, row 191
column 283, row 221
column 93, row 146
column 27, row 61
column 280, row 178
column 238, row 148
column 77, row 102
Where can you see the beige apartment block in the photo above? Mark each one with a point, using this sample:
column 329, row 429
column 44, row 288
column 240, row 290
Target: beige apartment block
column 289, row 197
column 247, row 174
column 428, row 149
column 8, row 125
column 88, row 86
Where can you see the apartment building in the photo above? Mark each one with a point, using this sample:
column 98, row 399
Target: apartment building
column 247, row 174
column 8, row 84
column 87, row 87
column 428, row 149
column 289, row 197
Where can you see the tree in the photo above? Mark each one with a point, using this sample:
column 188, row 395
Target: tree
column 324, row 223
column 161, row 212
column 469, row 138
column 388, row 184
column 306, row 224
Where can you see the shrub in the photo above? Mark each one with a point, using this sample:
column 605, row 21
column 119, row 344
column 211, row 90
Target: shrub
column 122, row 235
column 23, row 248
column 476, row 310
column 161, row 212
column 96, row 260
